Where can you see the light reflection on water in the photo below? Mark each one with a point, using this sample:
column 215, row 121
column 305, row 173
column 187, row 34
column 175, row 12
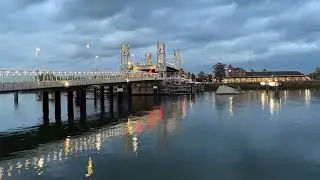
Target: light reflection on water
column 188, row 132
column 94, row 142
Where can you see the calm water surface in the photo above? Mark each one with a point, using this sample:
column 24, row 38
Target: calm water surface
column 249, row 136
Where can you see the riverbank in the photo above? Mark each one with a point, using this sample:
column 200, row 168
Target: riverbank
column 257, row 86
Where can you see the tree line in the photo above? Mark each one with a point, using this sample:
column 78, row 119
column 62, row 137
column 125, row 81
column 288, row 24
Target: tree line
column 315, row 74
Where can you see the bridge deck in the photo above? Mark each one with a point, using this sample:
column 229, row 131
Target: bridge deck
column 25, row 81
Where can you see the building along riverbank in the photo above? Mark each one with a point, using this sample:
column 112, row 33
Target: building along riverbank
column 256, row 86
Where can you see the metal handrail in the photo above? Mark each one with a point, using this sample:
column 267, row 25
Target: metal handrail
column 15, row 81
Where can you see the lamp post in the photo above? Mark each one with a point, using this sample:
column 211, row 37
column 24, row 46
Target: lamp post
column 37, row 55
column 97, row 62
column 134, row 57
column 96, row 57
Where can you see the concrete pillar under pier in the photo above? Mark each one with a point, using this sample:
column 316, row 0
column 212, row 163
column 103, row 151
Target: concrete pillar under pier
column 83, row 105
column 120, row 100
column 102, row 106
column 57, row 105
column 78, row 97
column 129, row 105
column 45, row 106
column 95, row 94
column 70, row 105
column 120, row 93
column 129, row 86
column 111, row 100
column 155, row 90
column 156, row 98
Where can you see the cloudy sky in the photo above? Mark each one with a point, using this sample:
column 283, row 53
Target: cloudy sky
column 275, row 34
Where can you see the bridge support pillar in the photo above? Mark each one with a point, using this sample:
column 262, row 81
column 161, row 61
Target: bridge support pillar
column 95, row 94
column 129, row 86
column 102, row 105
column 120, row 93
column 155, row 90
column 70, row 105
column 111, row 100
column 78, row 97
column 57, row 105
column 45, row 106
column 16, row 97
column 120, row 99
column 83, row 105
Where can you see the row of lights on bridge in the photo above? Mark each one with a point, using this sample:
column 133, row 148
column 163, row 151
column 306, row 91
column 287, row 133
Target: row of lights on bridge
column 68, row 73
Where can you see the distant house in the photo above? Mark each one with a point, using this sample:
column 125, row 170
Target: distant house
column 267, row 76
column 236, row 72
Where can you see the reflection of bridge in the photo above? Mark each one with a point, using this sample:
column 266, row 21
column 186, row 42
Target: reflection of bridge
column 94, row 142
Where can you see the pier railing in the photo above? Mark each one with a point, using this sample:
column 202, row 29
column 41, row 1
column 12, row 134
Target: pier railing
column 30, row 80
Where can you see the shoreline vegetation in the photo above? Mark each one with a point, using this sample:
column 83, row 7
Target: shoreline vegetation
column 298, row 85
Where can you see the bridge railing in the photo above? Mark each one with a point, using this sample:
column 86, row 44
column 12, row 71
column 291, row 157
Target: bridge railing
column 25, row 80
column 16, row 76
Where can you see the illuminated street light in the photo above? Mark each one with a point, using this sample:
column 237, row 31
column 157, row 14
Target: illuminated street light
column 66, row 84
column 97, row 62
column 38, row 52
column 37, row 55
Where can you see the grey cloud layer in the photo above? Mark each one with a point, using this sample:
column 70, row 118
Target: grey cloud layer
column 205, row 31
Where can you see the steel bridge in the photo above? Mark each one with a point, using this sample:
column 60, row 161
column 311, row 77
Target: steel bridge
column 22, row 80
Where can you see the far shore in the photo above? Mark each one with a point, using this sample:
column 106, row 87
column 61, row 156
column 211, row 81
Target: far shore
column 296, row 85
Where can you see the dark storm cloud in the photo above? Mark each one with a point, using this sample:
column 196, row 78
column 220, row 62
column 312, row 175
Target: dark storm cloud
column 99, row 9
column 205, row 31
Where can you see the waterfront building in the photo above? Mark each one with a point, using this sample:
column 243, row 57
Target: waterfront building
column 265, row 76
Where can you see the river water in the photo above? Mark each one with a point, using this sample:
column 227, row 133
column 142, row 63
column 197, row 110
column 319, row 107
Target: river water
column 250, row 136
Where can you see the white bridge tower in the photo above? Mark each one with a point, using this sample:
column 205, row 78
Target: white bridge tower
column 148, row 58
column 176, row 58
column 161, row 57
column 125, row 58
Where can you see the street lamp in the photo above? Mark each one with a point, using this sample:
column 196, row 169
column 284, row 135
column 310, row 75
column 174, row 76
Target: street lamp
column 96, row 57
column 37, row 55
column 97, row 62
column 133, row 56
